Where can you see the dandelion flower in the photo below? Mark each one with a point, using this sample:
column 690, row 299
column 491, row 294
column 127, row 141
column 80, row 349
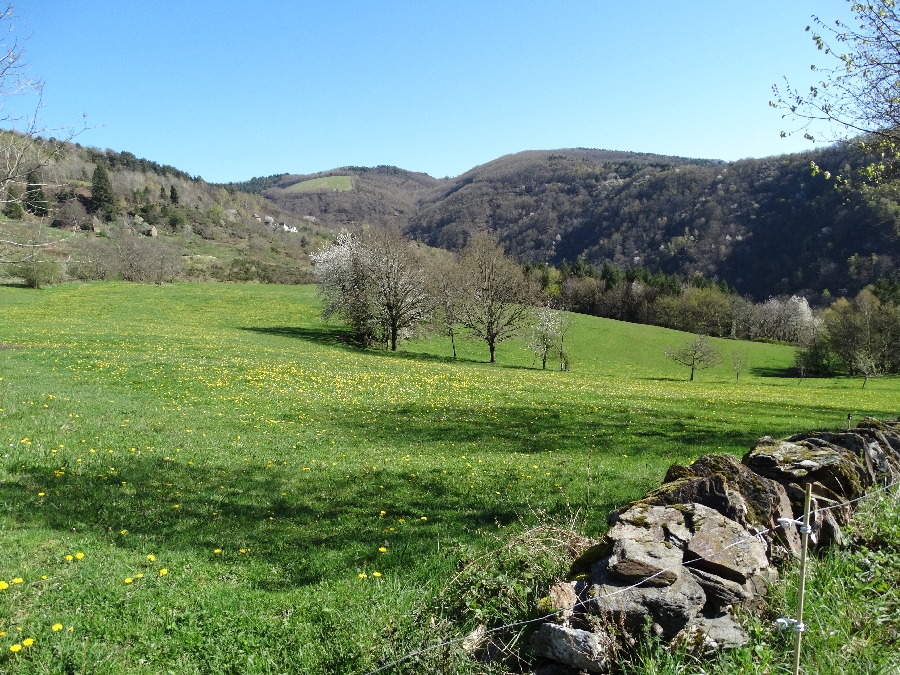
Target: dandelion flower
column 69, row 558
column 139, row 575
column 3, row 585
column 79, row 555
column 424, row 518
column 217, row 551
column 56, row 627
column 15, row 648
column 151, row 557
column 163, row 572
column 383, row 513
column 27, row 642
column 17, row 580
column 124, row 532
column 43, row 577
column 40, row 494
column 376, row 574
column 383, row 549
column 128, row 580
column 362, row 575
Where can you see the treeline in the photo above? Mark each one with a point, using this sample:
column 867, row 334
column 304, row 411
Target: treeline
column 129, row 161
column 255, row 185
column 690, row 303
column 858, row 337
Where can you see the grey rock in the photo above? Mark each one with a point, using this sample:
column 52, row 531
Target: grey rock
column 723, row 547
column 657, row 562
column 672, row 607
column 707, row 635
column 590, row 651
column 564, row 599
column 722, row 593
column 808, row 458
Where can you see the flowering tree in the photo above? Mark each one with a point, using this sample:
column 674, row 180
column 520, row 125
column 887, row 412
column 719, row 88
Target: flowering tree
column 375, row 282
column 548, row 336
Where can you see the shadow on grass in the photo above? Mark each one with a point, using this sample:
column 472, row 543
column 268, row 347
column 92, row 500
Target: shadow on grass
column 345, row 339
column 300, row 527
column 786, row 373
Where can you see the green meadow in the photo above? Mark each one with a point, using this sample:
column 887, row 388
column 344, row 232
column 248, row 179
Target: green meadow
column 333, row 183
column 208, row 479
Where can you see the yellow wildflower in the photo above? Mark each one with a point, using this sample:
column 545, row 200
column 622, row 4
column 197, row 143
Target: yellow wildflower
column 151, row 557
column 17, row 580
column 79, row 555
column 56, row 627
column 15, row 648
column 27, row 642
column 128, row 580
column 163, row 572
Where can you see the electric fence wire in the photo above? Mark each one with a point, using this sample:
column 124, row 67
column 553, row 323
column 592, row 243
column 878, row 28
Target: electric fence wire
column 515, row 624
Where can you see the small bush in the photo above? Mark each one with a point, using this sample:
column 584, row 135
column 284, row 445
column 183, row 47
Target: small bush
column 37, row 273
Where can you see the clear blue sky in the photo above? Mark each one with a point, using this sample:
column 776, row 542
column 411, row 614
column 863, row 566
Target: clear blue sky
column 231, row 90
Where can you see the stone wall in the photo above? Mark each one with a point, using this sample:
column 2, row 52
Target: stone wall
column 708, row 541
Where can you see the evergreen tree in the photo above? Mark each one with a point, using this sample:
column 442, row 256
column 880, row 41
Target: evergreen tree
column 173, row 195
column 13, row 209
column 162, row 194
column 35, row 201
column 103, row 198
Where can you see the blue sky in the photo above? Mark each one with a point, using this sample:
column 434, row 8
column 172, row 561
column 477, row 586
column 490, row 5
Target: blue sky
column 231, row 90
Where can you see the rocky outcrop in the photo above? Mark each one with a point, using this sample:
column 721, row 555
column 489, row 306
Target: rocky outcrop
column 708, row 541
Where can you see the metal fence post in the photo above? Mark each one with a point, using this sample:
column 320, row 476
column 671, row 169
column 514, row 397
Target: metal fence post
column 798, row 626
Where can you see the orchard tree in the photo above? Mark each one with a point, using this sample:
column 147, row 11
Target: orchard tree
column 445, row 283
column 375, row 282
column 548, row 336
column 696, row 354
column 496, row 295
column 739, row 362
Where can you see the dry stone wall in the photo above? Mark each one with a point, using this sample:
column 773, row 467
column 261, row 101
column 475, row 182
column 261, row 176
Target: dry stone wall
column 708, row 541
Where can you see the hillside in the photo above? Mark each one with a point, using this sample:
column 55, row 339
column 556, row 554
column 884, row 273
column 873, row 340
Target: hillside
column 218, row 232
column 766, row 226
column 353, row 195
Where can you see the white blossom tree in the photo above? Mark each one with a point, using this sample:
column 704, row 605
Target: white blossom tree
column 376, row 282
column 548, row 336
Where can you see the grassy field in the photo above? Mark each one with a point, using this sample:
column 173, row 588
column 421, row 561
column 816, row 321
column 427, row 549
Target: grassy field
column 333, row 183
column 207, row 479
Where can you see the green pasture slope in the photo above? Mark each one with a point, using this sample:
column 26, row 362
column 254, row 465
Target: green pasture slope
column 242, row 491
column 333, row 183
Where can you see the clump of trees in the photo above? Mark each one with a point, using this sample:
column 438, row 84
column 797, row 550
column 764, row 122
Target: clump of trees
column 384, row 287
column 858, row 337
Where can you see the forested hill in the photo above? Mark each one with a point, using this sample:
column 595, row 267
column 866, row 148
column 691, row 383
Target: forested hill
column 766, row 226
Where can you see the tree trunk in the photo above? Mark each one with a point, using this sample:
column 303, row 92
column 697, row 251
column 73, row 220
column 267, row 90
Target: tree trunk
column 692, row 373
column 453, row 343
column 491, row 346
column 393, row 338
column 544, row 362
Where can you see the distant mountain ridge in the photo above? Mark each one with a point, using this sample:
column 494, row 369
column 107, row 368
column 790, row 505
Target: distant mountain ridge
column 766, row 226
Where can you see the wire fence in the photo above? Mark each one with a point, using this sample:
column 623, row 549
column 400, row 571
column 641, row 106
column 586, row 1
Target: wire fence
column 783, row 523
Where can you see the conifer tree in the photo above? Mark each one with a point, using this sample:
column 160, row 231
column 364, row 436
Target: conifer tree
column 103, row 198
column 13, row 209
column 35, row 201
column 173, row 195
